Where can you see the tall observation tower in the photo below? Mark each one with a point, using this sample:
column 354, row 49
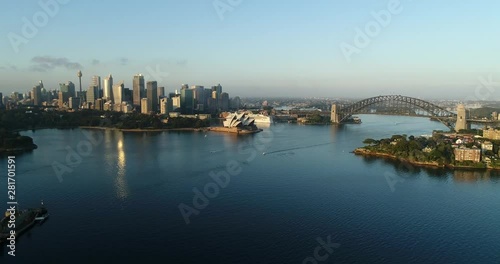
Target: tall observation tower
column 79, row 74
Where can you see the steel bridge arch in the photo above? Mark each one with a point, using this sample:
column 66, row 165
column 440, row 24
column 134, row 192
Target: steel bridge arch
column 434, row 110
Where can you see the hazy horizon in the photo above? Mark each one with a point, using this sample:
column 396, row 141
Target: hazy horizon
column 258, row 48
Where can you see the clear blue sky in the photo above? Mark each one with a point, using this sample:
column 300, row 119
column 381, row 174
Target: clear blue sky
column 260, row 47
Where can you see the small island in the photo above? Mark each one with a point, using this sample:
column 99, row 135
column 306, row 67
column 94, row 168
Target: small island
column 443, row 150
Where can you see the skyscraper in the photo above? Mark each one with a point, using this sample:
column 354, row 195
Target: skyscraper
column 138, row 89
column 96, row 81
column 224, row 102
column 118, row 93
column 108, row 88
column 161, row 91
column 152, row 95
column 166, row 106
column 187, row 101
column 199, row 97
column 145, row 107
column 92, row 94
column 68, row 89
column 37, row 94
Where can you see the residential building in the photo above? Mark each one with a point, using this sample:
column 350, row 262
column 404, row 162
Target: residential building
column 467, row 154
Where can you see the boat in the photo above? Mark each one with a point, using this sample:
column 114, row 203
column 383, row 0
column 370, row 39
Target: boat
column 261, row 119
column 24, row 220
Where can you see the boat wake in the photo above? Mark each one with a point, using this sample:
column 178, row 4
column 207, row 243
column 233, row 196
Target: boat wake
column 296, row 148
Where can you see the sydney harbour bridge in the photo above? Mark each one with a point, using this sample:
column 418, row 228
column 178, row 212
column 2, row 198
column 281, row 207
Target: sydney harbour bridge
column 399, row 104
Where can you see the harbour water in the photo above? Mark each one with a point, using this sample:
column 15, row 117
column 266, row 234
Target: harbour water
column 114, row 197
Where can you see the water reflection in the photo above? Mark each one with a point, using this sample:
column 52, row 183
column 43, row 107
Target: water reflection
column 469, row 176
column 120, row 181
column 116, row 161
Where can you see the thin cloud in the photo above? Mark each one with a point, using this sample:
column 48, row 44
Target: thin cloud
column 123, row 61
column 95, row 62
column 46, row 63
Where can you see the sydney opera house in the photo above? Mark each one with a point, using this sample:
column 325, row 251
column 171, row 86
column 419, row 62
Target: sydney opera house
column 238, row 123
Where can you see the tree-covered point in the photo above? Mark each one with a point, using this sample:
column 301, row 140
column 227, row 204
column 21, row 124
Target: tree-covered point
column 13, row 140
column 24, row 119
column 417, row 149
column 317, row 118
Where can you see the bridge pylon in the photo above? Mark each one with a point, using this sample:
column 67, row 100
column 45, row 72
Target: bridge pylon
column 335, row 116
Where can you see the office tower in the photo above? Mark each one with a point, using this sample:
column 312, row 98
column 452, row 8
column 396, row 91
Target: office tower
column 161, row 92
column 73, row 103
column 224, row 102
column 37, row 95
column 184, row 86
column 235, row 103
column 99, row 104
column 176, row 102
column 127, row 95
column 118, row 93
column 152, row 93
column 69, row 88
column 79, row 75
column 145, row 107
column 187, row 101
column 96, row 81
column 138, row 89
column 218, row 89
column 1, row 100
column 108, row 88
column 92, row 94
column 166, row 106
column 199, row 97
column 461, row 118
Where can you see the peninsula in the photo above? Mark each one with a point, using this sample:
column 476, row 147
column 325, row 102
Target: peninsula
column 442, row 150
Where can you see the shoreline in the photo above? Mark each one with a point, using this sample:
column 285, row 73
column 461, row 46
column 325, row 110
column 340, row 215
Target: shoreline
column 145, row 129
column 367, row 153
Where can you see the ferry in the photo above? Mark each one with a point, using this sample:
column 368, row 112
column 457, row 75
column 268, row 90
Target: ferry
column 25, row 219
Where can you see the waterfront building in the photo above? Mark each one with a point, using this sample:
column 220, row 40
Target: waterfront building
column 108, row 88
column 467, row 154
column 152, row 93
column 235, row 120
column 138, row 90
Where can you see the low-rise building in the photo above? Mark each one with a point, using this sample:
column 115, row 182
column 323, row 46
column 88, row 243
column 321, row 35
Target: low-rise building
column 492, row 134
column 467, row 154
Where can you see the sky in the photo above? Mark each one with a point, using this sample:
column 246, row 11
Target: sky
column 323, row 48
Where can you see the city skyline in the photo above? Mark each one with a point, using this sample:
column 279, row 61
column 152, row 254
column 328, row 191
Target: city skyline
column 254, row 49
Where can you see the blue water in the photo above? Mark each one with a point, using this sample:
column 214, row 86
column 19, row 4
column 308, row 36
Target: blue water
column 292, row 185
